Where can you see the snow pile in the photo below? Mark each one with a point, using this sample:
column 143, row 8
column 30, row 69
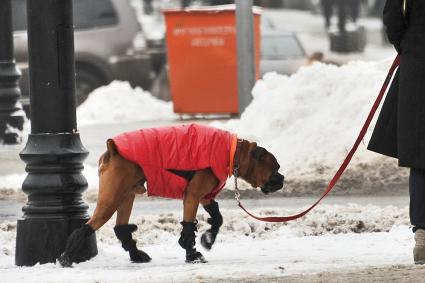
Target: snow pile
column 311, row 119
column 119, row 102
column 10, row 186
column 154, row 228
column 325, row 220
column 12, row 182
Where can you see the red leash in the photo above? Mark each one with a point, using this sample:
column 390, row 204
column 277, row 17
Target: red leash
column 344, row 164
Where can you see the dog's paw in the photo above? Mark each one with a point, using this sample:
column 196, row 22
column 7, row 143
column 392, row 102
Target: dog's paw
column 65, row 260
column 140, row 257
column 195, row 257
column 208, row 239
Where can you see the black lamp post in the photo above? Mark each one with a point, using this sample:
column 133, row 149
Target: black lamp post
column 53, row 153
column 11, row 114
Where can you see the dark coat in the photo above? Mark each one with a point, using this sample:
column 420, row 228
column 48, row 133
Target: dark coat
column 400, row 129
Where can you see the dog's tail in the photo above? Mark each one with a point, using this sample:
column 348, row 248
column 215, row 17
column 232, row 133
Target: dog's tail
column 111, row 150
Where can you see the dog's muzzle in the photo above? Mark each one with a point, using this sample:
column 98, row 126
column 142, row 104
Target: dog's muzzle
column 274, row 183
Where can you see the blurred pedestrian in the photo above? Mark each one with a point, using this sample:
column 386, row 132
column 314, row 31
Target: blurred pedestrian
column 342, row 15
column 327, row 9
column 400, row 129
column 354, row 9
column 147, row 7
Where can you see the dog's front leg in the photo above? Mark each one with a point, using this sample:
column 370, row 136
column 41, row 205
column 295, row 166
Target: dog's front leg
column 202, row 183
column 187, row 236
column 216, row 220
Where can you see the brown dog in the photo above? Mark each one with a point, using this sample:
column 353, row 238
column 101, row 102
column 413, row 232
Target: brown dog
column 198, row 155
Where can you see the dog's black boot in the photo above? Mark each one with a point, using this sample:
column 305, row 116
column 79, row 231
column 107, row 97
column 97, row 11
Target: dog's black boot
column 64, row 260
column 75, row 245
column 137, row 255
column 187, row 242
column 208, row 239
column 123, row 233
column 194, row 256
column 216, row 220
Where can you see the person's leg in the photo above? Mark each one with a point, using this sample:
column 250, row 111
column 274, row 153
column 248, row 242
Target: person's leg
column 417, row 198
column 417, row 212
column 354, row 10
column 341, row 4
column 327, row 12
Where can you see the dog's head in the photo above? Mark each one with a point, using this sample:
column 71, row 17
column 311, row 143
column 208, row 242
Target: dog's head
column 260, row 168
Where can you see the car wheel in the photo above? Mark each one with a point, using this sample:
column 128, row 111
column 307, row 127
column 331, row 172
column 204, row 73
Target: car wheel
column 86, row 82
column 161, row 85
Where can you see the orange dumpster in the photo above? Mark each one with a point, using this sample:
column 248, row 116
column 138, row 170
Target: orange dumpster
column 202, row 58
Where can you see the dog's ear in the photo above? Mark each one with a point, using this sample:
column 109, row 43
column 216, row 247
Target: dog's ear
column 251, row 148
column 112, row 148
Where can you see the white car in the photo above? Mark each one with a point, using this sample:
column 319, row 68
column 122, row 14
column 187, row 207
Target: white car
column 281, row 52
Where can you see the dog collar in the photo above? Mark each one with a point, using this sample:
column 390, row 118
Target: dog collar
column 234, row 154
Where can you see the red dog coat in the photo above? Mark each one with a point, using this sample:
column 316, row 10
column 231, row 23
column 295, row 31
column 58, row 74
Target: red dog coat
column 185, row 148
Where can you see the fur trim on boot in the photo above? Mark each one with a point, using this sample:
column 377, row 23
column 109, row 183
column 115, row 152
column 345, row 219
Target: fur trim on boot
column 75, row 246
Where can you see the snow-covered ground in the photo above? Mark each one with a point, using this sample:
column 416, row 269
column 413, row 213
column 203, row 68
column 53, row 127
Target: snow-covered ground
column 238, row 257
column 333, row 237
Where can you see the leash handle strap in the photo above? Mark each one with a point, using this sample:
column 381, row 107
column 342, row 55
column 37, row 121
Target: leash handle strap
column 347, row 160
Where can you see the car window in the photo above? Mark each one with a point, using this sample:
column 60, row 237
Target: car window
column 94, row 13
column 87, row 14
column 281, row 47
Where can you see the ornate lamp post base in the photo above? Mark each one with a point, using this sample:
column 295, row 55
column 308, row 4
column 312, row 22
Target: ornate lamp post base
column 55, row 208
column 54, row 234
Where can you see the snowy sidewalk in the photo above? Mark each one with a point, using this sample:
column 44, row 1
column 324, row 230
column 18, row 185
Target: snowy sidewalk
column 337, row 236
column 238, row 257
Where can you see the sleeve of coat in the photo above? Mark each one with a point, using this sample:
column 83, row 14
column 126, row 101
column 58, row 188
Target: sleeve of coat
column 394, row 22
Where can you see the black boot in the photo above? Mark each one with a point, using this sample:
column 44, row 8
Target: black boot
column 187, row 242
column 75, row 247
column 123, row 233
column 216, row 220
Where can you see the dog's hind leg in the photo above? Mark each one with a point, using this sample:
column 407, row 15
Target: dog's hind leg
column 117, row 177
column 123, row 231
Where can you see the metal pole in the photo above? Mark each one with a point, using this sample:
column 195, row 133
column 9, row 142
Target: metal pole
column 54, row 154
column 12, row 116
column 246, row 52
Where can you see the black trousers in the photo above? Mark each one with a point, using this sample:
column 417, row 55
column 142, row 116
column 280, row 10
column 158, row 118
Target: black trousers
column 417, row 198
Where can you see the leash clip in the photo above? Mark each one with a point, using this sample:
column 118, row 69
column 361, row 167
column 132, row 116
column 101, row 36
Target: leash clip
column 237, row 196
column 235, row 176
